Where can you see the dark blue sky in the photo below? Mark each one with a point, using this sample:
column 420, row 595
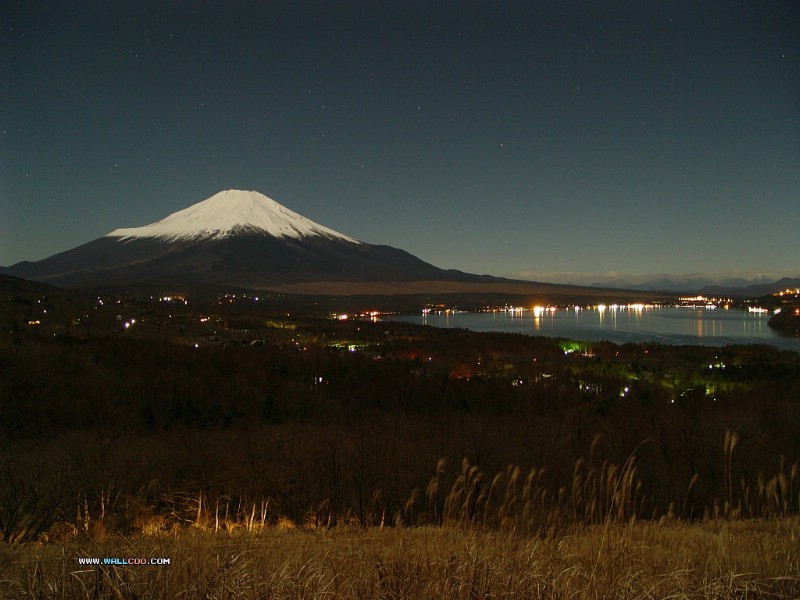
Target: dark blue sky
column 493, row 137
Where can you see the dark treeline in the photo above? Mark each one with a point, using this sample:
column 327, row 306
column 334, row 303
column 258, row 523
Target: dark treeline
column 350, row 420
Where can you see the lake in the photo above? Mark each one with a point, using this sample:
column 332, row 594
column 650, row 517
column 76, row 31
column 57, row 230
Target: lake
column 673, row 325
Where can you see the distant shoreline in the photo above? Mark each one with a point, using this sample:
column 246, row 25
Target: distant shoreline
column 509, row 287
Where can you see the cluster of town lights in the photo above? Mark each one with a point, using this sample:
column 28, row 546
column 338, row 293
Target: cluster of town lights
column 372, row 315
column 539, row 311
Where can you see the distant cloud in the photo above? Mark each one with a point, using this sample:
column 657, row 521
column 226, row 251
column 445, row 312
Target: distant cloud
column 658, row 281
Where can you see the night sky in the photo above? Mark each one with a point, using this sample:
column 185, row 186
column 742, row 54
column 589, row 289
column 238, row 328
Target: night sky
column 539, row 139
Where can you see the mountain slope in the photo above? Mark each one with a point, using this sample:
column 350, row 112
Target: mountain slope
column 752, row 291
column 234, row 238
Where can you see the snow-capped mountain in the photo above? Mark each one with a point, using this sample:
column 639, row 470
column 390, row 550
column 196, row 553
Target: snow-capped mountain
column 232, row 239
column 227, row 213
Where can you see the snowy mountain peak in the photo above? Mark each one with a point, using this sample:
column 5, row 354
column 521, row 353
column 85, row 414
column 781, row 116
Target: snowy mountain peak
column 227, row 213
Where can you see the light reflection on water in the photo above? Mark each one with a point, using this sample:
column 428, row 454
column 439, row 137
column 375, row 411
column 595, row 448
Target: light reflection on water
column 699, row 326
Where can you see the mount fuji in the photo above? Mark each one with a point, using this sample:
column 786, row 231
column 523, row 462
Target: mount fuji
column 229, row 213
column 235, row 239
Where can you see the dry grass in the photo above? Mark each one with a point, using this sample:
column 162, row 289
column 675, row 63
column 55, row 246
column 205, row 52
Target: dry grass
column 714, row 559
column 391, row 288
column 471, row 536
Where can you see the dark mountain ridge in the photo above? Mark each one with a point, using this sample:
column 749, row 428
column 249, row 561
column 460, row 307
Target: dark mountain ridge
column 234, row 239
column 238, row 240
column 248, row 260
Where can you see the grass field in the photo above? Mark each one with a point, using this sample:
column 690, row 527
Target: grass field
column 711, row 559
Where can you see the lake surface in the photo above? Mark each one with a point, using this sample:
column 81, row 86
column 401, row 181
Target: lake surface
column 674, row 325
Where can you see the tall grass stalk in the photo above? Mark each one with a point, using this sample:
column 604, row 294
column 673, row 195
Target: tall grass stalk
column 716, row 559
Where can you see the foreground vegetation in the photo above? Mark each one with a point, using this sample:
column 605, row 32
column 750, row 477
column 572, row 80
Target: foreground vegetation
column 716, row 559
column 275, row 455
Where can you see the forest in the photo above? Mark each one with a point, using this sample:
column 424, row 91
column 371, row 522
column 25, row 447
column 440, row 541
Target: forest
column 241, row 446
column 155, row 416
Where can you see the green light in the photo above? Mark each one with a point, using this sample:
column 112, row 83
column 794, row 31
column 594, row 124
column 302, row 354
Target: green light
column 570, row 346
